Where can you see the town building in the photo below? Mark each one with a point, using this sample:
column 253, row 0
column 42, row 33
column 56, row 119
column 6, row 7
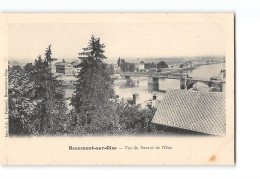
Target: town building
column 65, row 68
column 140, row 66
column 53, row 68
column 116, row 68
column 223, row 75
column 174, row 66
column 155, row 102
column 195, row 111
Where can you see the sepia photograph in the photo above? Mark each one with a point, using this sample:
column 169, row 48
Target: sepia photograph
column 135, row 85
column 129, row 89
column 116, row 79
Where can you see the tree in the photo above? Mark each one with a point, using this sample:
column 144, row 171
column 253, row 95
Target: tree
column 132, row 119
column 162, row 64
column 119, row 62
column 48, row 54
column 149, row 65
column 126, row 66
column 111, row 69
column 132, row 67
column 36, row 100
column 21, row 107
column 94, row 90
column 48, row 98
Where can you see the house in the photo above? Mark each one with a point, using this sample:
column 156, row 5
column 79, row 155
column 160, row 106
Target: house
column 65, row 68
column 195, row 111
column 155, row 102
column 116, row 68
column 140, row 66
column 53, row 68
column 174, row 66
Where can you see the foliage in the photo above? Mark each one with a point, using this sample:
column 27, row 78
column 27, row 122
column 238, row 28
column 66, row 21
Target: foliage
column 116, row 119
column 111, row 69
column 37, row 106
column 94, row 85
column 162, row 64
column 36, row 99
column 118, row 62
column 50, row 108
column 135, row 120
column 149, row 65
column 125, row 66
column 21, row 106
column 96, row 110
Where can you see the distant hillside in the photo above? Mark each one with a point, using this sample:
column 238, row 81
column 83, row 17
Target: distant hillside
column 14, row 63
column 175, row 60
column 113, row 60
column 167, row 60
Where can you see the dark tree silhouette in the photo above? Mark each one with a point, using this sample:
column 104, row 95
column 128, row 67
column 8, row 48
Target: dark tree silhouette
column 94, row 89
column 36, row 99
column 162, row 64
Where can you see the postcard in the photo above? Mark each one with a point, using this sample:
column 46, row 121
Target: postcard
column 117, row 89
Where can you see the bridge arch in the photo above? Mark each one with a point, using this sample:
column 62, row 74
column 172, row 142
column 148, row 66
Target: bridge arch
column 199, row 83
column 190, row 85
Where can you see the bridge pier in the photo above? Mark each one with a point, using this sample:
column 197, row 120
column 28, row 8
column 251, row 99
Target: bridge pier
column 153, row 86
column 152, row 80
column 127, row 77
column 183, row 83
column 223, row 86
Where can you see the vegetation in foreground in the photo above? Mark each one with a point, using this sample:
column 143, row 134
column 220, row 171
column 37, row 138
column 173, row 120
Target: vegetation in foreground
column 37, row 106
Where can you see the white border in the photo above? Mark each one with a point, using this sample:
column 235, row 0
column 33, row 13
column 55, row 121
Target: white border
column 247, row 70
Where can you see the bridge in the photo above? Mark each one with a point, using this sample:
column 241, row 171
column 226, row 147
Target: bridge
column 170, row 75
column 186, row 82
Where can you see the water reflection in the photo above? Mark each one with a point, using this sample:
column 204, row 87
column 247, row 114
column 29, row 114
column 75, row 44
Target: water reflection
column 153, row 87
column 126, row 89
column 206, row 71
column 140, row 85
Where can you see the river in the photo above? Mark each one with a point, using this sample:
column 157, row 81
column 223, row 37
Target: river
column 146, row 91
column 206, row 71
column 126, row 89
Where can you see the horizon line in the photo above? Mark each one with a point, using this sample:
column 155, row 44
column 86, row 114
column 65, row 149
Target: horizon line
column 179, row 56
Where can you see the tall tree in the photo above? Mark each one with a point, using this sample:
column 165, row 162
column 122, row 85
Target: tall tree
column 48, row 54
column 48, row 58
column 36, row 101
column 118, row 62
column 36, row 104
column 93, row 87
column 50, row 105
column 111, row 69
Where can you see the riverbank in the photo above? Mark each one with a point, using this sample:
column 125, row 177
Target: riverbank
column 183, row 70
column 120, row 81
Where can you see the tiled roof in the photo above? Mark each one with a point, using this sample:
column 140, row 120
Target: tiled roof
column 193, row 110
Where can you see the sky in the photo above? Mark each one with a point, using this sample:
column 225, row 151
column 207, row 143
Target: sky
column 132, row 40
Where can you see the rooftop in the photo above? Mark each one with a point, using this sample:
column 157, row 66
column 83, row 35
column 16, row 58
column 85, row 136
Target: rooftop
column 193, row 110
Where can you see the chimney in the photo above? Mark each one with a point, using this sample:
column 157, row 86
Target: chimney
column 154, row 97
column 223, row 74
column 135, row 98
